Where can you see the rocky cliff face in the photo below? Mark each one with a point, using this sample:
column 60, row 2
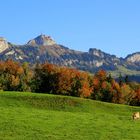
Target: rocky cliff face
column 133, row 58
column 133, row 61
column 43, row 48
column 3, row 44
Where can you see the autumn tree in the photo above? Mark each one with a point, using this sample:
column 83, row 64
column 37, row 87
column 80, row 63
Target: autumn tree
column 65, row 79
column 98, row 82
column 45, row 78
column 12, row 75
column 25, row 75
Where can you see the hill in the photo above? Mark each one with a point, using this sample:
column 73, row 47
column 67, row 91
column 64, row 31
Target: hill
column 43, row 48
column 39, row 116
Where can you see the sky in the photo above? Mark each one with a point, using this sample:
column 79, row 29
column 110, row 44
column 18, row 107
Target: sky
column 112, row 26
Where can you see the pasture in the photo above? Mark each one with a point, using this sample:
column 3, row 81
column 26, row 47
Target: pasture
column 30, row 116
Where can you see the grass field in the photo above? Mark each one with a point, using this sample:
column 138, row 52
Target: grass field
column 28, row 116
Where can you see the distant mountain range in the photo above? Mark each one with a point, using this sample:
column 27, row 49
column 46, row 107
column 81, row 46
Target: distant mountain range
column 43, row 48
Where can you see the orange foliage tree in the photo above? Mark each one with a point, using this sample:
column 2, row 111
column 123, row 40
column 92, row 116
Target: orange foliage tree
column 12, row 75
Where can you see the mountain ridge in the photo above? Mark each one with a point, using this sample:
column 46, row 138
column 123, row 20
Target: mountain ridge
column 42, row 37
column 43, row 48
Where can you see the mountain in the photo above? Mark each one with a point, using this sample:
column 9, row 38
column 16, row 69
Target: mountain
column 3, row 44
column 42, row 40
column 43, row 48
column 133, row 61
column 134, row 58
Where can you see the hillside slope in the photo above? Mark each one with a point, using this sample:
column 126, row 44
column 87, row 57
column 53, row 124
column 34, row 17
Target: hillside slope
column 39, row 116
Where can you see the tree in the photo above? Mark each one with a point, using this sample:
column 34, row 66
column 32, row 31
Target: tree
column 99, row 78
column 25, row 74
column 126, row 94
column 126, row 79
column 64, row 83
column 120, row 80
column 45, row 78
column 106, row 92
column 109, row 78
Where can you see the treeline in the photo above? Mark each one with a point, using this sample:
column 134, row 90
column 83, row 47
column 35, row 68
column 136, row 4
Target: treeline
column 48, row 78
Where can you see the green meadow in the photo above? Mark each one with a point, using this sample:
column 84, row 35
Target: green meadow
column 30, row 116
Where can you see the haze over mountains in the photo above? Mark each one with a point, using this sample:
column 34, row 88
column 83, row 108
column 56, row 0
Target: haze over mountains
column 43, row 48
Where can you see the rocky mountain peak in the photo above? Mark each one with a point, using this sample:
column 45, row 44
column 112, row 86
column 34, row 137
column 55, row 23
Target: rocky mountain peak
column 42, row 40
column 3, row 44
column 133, row 58
column 96, row 52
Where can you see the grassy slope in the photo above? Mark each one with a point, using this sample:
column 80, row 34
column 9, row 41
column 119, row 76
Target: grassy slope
column 50, row 117
column 124, row 71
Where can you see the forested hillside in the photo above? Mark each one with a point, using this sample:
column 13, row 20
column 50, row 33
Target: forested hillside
column 49, row 78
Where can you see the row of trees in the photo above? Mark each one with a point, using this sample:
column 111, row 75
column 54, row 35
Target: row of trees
column 48, row 78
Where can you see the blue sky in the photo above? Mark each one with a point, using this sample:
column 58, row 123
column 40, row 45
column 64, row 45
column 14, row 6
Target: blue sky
column 110, row 25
